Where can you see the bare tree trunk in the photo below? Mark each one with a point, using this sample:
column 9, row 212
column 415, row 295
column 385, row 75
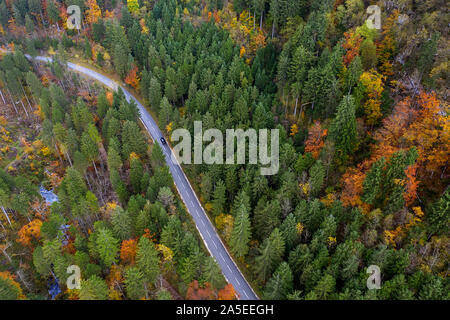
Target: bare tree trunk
column 146, row 291
column 6, row 253
column 261, row 19
column 1, row 94
column 22, row 279
column 68, row 158
column 87, row 180
column 6, row 215
column 24, row 109
column 95, row 168
column 26, row 97
column 295, row 109
column 12, row 100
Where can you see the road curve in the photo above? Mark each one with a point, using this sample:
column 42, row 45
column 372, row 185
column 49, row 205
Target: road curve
column 207, row 231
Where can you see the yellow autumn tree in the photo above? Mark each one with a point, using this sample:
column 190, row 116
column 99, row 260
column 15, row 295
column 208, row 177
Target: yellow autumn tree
column 294, row 130
column 144, row 28
column 373, row 86
column 224, row 223
column 94, row 12
column 133, row 6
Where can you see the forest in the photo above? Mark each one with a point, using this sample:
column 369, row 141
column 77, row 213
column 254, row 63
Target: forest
column 364, row 126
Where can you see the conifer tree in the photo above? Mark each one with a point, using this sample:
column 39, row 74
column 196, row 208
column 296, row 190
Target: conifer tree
column 241, row 234
column 343, row 129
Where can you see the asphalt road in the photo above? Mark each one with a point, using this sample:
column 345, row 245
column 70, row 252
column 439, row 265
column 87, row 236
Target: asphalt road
column 207, row 231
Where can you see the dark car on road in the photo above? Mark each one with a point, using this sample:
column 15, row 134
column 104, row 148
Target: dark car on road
column 163, row 141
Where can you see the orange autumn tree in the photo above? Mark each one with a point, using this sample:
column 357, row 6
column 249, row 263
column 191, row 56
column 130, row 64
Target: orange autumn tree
column 227, row 293
column 128, row 251
column 29, row 232
column 316, row 139
column 216, row 16
column 94, row 12
column 133, row 78
column 430, row 133
column 352, row 186
column 411, row 184
column 196, row 292
column 351, row 44
column 426, row 127
column 63, row 15
column 110, row 97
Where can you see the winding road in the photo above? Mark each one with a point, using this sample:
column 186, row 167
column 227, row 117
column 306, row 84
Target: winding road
column 207, row 231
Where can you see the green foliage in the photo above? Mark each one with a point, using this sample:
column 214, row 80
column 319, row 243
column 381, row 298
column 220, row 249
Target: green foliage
column 280, row 284
column 94, row 288
column 343, row 129
column 122, row 223
column 107, row 247
column 147, row 260
column 132, row 140
column 270, row 255
column 241, row 234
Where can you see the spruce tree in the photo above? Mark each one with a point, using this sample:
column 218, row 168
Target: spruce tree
column 241, row 233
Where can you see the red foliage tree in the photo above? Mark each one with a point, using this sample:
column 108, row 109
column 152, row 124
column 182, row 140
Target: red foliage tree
column 196, row 292
column 227, row 293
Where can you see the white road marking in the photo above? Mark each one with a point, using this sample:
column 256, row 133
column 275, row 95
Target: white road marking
column 229, row 268
column 208, row 233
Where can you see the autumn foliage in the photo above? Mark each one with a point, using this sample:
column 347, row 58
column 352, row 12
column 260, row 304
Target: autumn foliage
column 5, row 275
column 94, row 12
column 351, row 44
column 316, row 139
column 227, row 293
column 386, row 47
column 197, row 292
column 133, row 78
column 128, row 251
column 425, row 127
column 29, row 232
column 373, row 83
column 352, row 182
